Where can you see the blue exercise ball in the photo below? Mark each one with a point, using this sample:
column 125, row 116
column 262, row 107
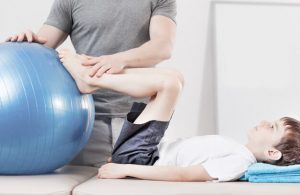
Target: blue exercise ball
column 44, row 119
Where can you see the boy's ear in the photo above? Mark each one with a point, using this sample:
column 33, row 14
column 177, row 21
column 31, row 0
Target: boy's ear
column 273, row 154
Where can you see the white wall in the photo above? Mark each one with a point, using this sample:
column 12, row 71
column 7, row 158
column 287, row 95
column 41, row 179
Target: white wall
column 257, row 63
column 192, row 55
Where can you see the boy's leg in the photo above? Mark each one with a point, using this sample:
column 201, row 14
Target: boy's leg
column 163, row 85
column 145, row 124
column 137, row 143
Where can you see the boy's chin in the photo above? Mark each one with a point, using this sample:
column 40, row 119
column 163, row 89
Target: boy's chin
column 250, row 133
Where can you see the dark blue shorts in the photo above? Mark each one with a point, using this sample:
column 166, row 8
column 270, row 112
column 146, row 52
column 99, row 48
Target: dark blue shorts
column 137, row 143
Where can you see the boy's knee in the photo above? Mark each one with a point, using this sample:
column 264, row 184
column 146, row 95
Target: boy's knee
column 179, row 76
column 173, row 82
column 175, row 74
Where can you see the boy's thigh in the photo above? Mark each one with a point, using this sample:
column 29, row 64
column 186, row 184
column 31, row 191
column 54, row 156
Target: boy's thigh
column 137, row 143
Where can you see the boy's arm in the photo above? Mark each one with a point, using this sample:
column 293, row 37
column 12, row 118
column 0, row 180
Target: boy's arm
column 162, row 173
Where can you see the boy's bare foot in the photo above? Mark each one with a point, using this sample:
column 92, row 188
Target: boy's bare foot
column 72, row 62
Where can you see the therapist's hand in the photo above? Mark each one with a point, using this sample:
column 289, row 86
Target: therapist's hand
column 110, row 64
column 27, row 36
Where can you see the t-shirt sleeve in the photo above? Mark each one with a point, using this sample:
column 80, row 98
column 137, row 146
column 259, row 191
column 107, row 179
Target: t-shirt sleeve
column 166, row 8
column 61, row 15
column 227, row 168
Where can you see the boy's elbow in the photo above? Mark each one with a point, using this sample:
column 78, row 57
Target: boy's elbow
column 186, row 175
column 187, row 178
column 183, row 176
column 193, row 179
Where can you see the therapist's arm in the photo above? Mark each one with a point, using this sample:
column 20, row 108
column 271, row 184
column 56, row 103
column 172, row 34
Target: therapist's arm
column 159, row 48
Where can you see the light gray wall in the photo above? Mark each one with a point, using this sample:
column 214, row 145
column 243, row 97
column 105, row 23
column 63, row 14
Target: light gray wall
column 195, row 114
column 257, row 63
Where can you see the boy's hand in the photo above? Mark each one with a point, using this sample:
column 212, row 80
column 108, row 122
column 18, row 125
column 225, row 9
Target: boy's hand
column 112, row 171
column 28, row 36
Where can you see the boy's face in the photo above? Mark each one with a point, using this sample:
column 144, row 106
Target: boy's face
column 266, row 134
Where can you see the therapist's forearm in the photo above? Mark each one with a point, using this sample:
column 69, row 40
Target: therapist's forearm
column 147, row 55
column 53, row 35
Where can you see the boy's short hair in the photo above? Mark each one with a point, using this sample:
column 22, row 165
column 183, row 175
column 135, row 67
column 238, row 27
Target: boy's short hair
column 289, row 144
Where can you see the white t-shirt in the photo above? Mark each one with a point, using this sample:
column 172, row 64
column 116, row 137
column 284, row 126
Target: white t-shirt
column 222, row 157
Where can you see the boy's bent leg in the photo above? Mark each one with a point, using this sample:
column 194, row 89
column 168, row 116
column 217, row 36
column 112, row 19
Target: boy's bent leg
column 137, row 143
column 164, row 85
column 145, row 125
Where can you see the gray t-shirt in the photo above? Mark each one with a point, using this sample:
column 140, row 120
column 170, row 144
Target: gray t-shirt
column 103, row 27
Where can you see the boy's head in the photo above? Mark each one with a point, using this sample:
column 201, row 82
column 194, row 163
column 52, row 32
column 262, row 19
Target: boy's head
column 276, row 142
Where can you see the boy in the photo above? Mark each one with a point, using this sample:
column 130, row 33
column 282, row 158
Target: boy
column 200, row 158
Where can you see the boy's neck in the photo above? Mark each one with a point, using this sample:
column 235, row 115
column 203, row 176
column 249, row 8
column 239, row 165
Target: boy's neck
column 257, row 154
